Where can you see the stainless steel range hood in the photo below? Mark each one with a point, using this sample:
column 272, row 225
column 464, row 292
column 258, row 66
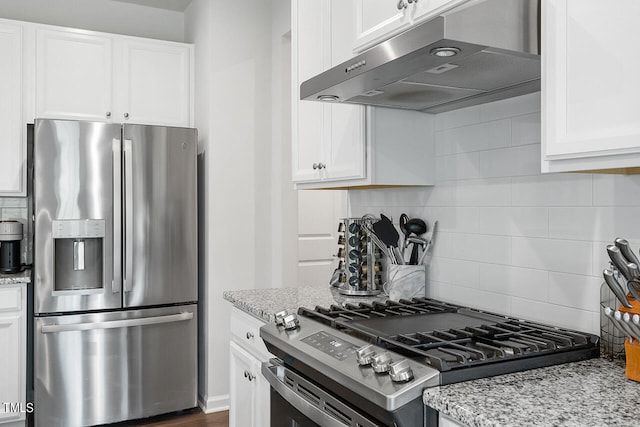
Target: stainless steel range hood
column 494, row 48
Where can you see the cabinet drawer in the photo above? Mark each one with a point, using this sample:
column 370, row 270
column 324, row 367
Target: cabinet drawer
column 245, row 330
column 10, row 299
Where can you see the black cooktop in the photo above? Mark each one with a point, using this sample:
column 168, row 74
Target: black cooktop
column 451, row 338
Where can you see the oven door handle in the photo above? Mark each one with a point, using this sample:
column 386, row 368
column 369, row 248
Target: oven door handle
column 320, row 411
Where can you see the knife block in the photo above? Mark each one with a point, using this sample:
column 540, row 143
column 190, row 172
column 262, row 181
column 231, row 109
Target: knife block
column 632, row 349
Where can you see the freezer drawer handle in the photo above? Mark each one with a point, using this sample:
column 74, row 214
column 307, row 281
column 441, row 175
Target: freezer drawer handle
column 125, row 323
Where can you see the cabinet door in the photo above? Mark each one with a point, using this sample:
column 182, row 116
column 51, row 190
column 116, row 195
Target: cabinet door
column 12, row 146
column 590, row 106
column 73, row 75
column 156, row 83
column 242, row 387
column 310, row 56
column 377, row 20
column 12, row 356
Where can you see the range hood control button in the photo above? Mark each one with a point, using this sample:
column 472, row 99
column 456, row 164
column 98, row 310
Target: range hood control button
column 364, row 355
column 400, row 371
column 380, row 362
column 290, row 322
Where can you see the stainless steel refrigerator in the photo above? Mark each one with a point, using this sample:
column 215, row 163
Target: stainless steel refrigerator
column 115, row 272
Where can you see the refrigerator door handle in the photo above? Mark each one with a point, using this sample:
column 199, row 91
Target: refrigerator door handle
column 112, row 324
column 128, row 216
column 116, row 285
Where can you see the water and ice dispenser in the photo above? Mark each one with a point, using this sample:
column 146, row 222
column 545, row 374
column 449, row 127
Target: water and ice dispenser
column 78, row 251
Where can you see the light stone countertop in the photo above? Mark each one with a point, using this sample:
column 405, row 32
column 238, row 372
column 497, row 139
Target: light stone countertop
column 580, row 394
column 11, row 279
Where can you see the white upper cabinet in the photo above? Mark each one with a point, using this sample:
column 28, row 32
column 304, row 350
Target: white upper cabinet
column 12, row 126
column 156, row 83
column 590, row 88
column 84, row 75
column 74, row 78
column 378, row 20
column 344, row 145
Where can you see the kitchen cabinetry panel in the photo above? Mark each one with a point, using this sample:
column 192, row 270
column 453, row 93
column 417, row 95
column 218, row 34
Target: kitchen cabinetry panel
column 379, row 20
column 84, row 75
column 12, row 144
column 73, row 75
column 13, row 354
column 589, row 107
column 156, row 83
column 248, row 389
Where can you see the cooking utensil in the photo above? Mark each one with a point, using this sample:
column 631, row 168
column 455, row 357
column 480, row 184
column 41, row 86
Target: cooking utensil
column 615, row 287
column 418, row 227
column 630, row 332
column 634, row 287
column 618, row 260
column 632, row 268
column 388, row 234
column 402, row 221
column 376, row 241
column 626, row 250
column 427, row 251
column 626, row 317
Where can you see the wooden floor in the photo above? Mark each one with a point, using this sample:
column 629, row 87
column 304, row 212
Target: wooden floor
column 195, row 418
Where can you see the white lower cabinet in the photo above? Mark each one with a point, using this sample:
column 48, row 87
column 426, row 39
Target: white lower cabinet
column 248, row 389
column 13, row 371
column 445, row 421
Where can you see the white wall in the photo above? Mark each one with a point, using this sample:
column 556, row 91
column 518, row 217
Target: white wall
column 99, row 15
column 242, row 182
column 512, row 240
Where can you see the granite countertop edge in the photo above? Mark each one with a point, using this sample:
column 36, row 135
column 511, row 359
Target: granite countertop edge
column 15, row 278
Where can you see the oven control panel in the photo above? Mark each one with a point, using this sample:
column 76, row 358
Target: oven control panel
column 330, row 344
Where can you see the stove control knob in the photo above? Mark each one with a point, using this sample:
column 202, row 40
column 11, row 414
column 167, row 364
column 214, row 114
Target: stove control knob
column 290, row 322
column 380, row 362
column 400, row 371
column 279, row 316
column 364, row 354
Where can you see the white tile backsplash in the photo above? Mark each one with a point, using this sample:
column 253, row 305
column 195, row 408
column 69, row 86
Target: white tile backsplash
column 512, row 240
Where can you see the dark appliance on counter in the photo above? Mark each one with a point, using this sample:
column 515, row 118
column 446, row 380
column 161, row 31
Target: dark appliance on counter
column 10, row 238
column 368, row 364
column 115, row 272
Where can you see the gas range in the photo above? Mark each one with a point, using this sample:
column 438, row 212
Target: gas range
column 377, row 358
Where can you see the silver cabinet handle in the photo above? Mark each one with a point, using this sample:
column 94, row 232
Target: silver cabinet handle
column 402, row 4
column 108, row 114
column 248, row 375
column 318, row 166
column 126, row 115
column 249, row 335
column 111, row 324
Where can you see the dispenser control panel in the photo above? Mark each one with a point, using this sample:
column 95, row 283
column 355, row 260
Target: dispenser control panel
column 74, row 228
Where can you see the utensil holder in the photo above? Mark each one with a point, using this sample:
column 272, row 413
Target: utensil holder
column 360, row 267
column 405, row 281
column 632, row 349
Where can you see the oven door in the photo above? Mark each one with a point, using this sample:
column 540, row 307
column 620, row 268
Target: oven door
column 295, row 401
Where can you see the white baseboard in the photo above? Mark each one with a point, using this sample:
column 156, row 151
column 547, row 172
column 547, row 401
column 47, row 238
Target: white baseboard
column 214, row 403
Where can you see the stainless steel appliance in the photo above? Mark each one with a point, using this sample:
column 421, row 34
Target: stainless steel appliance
column 368, row 364
column 115, row 272
column 10, row 238
column 480, row 51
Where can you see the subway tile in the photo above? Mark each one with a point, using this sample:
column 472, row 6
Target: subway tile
column 526, row 129
column 552, row 190
column 440, row 195
column 565, row 256
column 594, row 223
column 517, row 221
column 476, row 298
column 477, row 137
column 455, row 272
column 480, row 248
column 616, row 190
column 566, row 317
column 570, row 290
column 516, row 106
column 458, row 118
column 458, row 166
column 460, row 220
column 515, row 281
column 512, row 161
column 485, row 192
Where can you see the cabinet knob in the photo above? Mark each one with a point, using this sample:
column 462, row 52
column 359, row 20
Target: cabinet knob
column 126, row 115
column 248, row 375
column 108, row 114
column 402, row 4
column 319, row 166
column 249, row 335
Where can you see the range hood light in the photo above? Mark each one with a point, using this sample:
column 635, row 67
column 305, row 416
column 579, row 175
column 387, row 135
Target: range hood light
column 445, row 52
column 328, row 98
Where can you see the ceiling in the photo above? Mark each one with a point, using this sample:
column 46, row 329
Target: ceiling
column 177, row 5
